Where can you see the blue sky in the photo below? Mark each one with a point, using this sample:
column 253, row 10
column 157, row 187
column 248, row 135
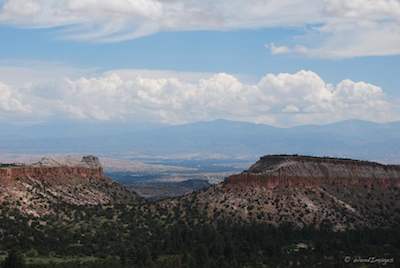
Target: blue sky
column 103, row 38
column 239, row 52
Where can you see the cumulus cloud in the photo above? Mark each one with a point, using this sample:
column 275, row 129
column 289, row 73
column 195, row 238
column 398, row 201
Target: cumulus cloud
column 339, row 28
column 279, row 99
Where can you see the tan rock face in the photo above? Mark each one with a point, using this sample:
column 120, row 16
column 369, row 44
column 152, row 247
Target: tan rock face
column 88, row 161
column 61, row 175
column 91, row 161
column 34, row 188
column 282, row 170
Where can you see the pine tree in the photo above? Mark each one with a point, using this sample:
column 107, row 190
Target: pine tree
column 201, row 254
column 14, row 260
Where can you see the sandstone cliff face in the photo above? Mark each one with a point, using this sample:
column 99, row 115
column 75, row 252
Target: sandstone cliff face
column 62, row 175
column 35, row 188
column 304, row 191
column 285, row 170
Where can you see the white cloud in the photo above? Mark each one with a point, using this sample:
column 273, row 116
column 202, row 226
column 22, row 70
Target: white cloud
column 379, row 9
column 279, row 99
column 354, row 28
column 341, row 28
column 276, row 50
column 10, row 102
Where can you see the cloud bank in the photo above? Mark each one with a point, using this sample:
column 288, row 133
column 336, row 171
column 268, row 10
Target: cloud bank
column 278, row 99
column 332, row 28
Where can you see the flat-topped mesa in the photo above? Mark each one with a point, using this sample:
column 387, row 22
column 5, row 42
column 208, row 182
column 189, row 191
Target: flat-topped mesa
column 53, row 171
column 295, row 170
column 39, row 188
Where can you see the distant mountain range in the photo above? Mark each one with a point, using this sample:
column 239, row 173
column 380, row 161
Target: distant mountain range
column 219, row 138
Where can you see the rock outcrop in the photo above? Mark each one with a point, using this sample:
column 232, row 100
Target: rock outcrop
column 88, row 161
column 35, row 188
column 293, row 170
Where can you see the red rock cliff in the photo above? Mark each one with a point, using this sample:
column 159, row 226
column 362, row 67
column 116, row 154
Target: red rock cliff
column 33, row 189
column 54, row 173
column 60, row 175
column 292, row 170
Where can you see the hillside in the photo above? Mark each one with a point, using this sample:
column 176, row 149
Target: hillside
column 302, row 191
column 284, row 211
column 35, row 189
column 158, row 190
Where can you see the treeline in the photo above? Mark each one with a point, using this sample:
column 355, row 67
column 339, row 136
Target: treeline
column 130, row 237
column 231, row 245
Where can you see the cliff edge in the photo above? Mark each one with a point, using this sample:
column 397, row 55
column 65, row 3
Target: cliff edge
column 35, row 189
column 290, row 170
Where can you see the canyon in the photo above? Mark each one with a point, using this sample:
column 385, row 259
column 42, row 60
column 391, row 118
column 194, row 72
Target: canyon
column 284, row 207
column 302, row 191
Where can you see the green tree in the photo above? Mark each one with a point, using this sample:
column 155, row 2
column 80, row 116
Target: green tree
column 14, row 260
column 145, row 258
column 201, row 256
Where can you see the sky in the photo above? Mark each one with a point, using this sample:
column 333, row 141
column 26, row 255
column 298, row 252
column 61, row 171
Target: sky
column 284, row 63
